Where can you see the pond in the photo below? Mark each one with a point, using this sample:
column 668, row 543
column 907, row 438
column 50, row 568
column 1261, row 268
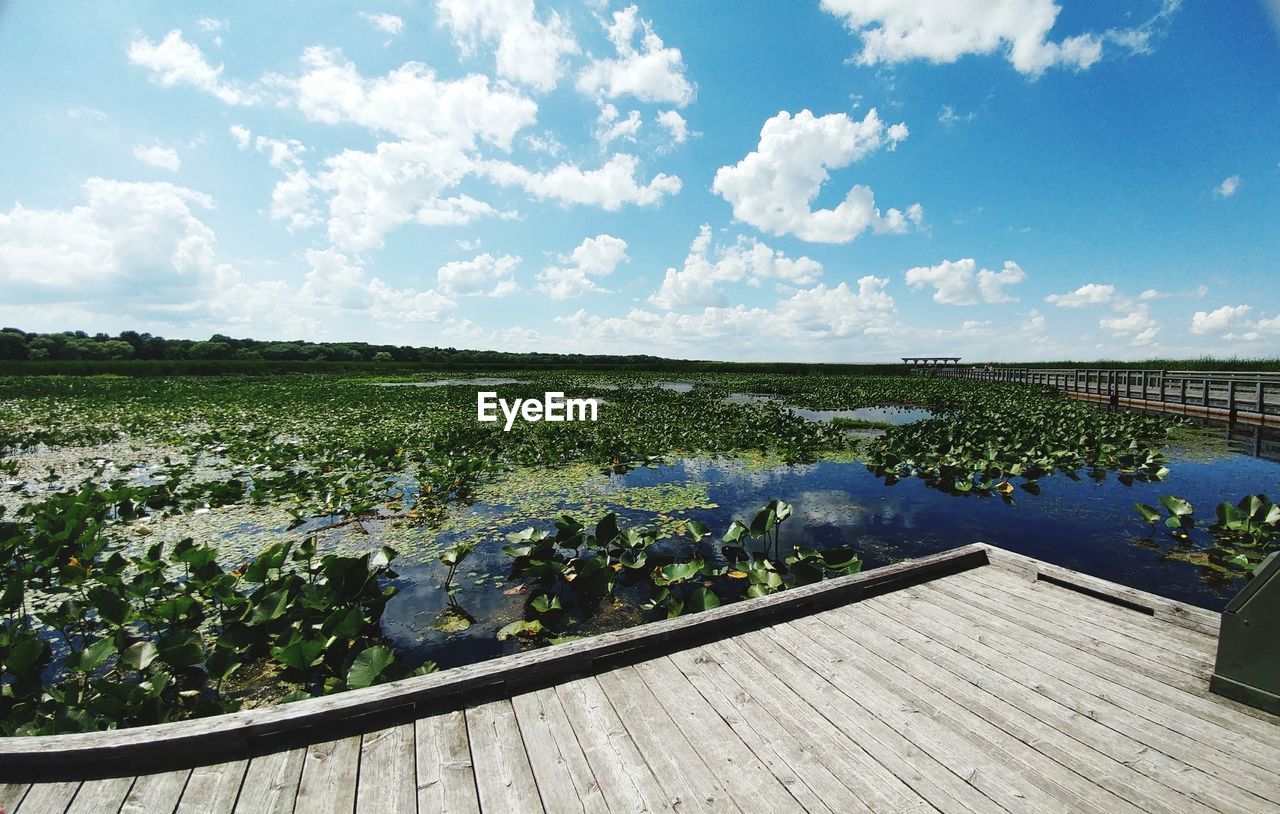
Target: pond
column 1083, row 524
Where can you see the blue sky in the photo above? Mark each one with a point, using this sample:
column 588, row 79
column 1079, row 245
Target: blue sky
column 825, row 180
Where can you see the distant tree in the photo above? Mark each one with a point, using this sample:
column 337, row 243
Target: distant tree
column 13, row 345
column 380, row 356
column 210, row 350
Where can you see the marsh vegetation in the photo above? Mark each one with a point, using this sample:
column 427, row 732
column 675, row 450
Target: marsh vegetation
column 186, row 546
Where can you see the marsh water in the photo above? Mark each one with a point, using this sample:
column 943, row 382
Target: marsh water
column 1080, row 523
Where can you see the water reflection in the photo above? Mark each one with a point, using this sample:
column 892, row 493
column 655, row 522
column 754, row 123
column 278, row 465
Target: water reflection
column 1085, row 524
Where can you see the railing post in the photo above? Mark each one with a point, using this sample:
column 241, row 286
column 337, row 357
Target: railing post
column 1144, row 386
column 1182, row 396
column 1162, row 387
column 1204, row 395
column 1231, row 400
column 1261, row 402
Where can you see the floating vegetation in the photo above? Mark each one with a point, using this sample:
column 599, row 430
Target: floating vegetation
column 572, row 572
column 181, row 547
column 1242, row 534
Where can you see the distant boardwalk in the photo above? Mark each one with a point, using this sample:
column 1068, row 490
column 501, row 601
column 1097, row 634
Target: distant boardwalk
column 960, row 682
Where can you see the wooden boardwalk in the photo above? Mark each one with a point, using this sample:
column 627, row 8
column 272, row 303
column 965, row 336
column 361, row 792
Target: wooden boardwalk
column 1248, row 398
column 1005, row 685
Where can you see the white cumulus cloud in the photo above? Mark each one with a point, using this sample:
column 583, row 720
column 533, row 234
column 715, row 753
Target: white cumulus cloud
column 386, row 23
column 698, row 282
column 593, row 259
column 773, row 187
column 960, row 282
column 1228, row 187
column 165, row 158
column 1088, row 294
column 1223, row 320
column 528, row 50
column 482, row 274
column 173, row 61
column 652, row 72
column 609, row 187
column 942, row 31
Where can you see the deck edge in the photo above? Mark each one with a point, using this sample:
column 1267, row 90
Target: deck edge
column 48, row 757
column 1187, row 616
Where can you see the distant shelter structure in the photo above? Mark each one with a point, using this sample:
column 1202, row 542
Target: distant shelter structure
column 931, row 361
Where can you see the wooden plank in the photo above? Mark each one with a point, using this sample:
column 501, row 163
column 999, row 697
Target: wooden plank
column 97, row 796
column 754, row 787
column 815, row 787
column 329, row 773
column 1166, row 609
column 1114, row 635
column 271, row 783
column 446, row 781
column 952, row 746
column 1193, row 643
column 156, row 793
column 213, row 789
column 388, row 782
column 1074, row 739
column 234, row 734
column 47, row 798
column 11, row 794
column 1149, row 688
column 566, row 781
column 1107, row 647
column 866, row 638
column 686, row 779
column 1146, row 745
column 504, row 778
column 624, row 777
column 836, row 746
column 932, row 780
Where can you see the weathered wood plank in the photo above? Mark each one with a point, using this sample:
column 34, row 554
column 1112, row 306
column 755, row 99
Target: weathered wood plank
column 1147, row 628
column 566, row 781
column 446, row 780
column 1149, row 691
column 835, row 747
column 388, row 781
column 812, row 784
column 688, row 781
column 1192, row 771
column 213, row 789
column 47, row 798
column 97, row 796
column 1166, row 609
column 271, row 783
column 504, row 778
column 754, row 787
column 156, row 793
column 1198, row 665
column 932, row 780
column 950, row 745
column 11, row 795
column 329, row 773
column 910, row 659
column 625, row 779
column 1106, row 757
column 235, row 733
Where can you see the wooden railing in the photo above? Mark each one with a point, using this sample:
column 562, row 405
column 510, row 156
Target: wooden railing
column 1247, row 397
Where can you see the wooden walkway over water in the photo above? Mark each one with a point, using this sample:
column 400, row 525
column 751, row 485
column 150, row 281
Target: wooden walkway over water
column 1249, row 398
column 976, row 680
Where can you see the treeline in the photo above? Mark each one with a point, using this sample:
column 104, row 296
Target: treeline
column 76, row 353
column 77, row 346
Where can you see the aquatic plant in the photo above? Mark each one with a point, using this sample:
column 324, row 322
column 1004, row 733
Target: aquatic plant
column 574, row 570
column 93, row 639
column 1243, row 533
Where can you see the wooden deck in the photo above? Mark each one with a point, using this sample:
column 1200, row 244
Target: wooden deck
column 1007, row 686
